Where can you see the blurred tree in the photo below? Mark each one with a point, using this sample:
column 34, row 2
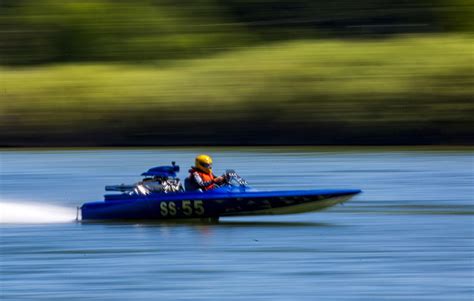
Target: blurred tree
column 456, row 15
column 43, row 31
column 49, row 30
column 336, row 18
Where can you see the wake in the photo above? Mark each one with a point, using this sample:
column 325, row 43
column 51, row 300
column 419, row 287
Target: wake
column 13, row 212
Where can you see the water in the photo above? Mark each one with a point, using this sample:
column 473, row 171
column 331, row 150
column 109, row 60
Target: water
column 409, row 236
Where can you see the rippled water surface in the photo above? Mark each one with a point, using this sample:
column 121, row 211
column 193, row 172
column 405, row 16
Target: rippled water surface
column 409, row 236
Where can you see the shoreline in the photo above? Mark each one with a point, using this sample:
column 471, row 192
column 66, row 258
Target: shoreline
column 273, row 148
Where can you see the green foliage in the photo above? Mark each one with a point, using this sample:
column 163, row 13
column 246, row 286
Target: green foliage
column 102, row 30
column 403, row 90
column 456, row 15
column 51, row 31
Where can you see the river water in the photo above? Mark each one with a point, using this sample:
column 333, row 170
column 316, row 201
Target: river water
column 409, row 236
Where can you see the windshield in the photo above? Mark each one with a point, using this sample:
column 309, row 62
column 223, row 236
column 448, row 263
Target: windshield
column 234, row 179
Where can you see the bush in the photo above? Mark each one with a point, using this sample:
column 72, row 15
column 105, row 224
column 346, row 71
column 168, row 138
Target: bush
column 406, row 90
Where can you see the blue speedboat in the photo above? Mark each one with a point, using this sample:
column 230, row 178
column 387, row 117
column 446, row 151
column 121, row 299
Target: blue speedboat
column 160, row 196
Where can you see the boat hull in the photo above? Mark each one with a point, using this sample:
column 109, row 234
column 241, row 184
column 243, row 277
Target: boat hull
column 212, row 205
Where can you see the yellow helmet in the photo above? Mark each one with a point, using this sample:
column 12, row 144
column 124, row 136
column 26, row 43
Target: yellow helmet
column 204, row 163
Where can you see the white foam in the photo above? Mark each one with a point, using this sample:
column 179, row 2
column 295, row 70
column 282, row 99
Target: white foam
column 12, row 212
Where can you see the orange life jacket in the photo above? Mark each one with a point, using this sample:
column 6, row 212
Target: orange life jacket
column 205, row 178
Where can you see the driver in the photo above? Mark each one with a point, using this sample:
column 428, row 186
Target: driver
column 201, row 176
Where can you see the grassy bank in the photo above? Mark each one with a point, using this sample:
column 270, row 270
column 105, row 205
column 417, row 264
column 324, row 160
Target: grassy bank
column 405, row 90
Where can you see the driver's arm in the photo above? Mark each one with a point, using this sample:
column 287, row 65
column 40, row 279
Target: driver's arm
column 219, row 180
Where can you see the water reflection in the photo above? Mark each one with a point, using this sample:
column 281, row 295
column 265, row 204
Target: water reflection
column 408, row 237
